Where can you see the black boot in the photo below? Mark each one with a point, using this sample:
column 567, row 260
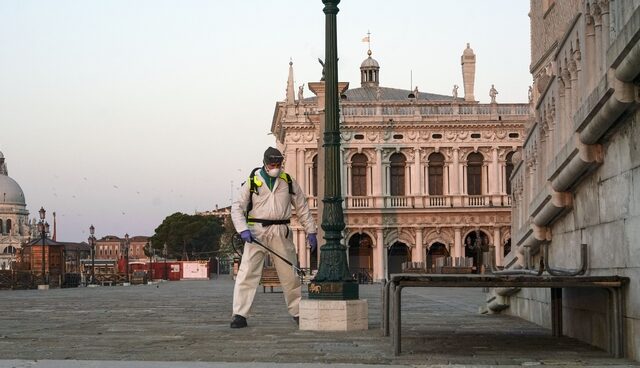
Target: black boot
column 238, row 321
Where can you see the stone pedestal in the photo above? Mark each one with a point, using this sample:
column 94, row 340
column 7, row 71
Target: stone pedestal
column 334, row 315
column 43, row 287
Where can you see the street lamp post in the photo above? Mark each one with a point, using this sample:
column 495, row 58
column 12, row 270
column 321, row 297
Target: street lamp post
column 126, row 256
column 151, row 254
column 164, row 254
column 333, row 277
column 43, row 228
column 92, row 244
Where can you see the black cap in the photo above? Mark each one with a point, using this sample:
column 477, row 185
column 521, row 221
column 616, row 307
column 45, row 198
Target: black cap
column 273, row 156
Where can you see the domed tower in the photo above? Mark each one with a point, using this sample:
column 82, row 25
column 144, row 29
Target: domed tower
column 14, row 217
column 369, row 72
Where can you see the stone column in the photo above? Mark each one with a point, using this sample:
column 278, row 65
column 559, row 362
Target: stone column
column 589, row 46
column 457, row 242
column 302, row 248
column 455, row 177
column 381, row 266
column 597, row 17
column 604, row 14
column 301, row 171
column 418, row 254
column 377, row 179
column 497, row 243
column 417, row 179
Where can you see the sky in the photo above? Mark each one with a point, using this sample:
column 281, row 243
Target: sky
column 118, row 113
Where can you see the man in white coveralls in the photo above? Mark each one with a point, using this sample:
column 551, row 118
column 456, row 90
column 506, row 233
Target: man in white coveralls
column 262, row 212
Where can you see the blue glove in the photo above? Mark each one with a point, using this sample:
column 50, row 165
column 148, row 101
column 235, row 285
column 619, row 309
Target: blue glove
column 313, row 242
column 246, row 236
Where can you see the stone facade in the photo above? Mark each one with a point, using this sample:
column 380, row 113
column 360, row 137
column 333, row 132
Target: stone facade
column 111, row 247
column 578, row 179
column 422, row 174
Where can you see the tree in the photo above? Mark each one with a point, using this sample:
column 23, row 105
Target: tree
column 189, row 237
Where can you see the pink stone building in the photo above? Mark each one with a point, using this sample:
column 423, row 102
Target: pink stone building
column 423, row 175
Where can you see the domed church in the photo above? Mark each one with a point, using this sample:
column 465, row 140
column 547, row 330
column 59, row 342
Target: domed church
column 14, row 217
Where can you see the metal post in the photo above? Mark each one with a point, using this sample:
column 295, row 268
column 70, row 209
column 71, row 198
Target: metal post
column 126, row 257
column 164, row 253
column 92, row 244
column 333, row 278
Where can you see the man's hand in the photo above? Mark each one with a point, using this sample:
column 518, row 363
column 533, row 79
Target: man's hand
column 246, row 236
column 313, row 242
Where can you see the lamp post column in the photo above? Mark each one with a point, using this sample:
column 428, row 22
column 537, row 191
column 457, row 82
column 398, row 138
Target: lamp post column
column 126, row 257
column 164, row 253
column 333, row 279
column 43, row 227
column 92, row 244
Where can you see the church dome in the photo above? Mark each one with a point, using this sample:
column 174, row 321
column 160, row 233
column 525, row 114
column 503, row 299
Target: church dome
column 369, row 62
column 10, row 192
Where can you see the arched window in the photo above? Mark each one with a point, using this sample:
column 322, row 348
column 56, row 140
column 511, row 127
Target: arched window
column 9, row 250
column 359, row 175
column 1, row 228
column 314, row 173
column 436, row 170
column 398, row 161
column 8, row 227
column 508, row 170
column 474, row 173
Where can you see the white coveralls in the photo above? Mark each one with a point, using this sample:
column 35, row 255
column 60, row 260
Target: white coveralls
column 269, row 204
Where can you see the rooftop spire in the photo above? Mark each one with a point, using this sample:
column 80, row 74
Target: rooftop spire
column 290, row 91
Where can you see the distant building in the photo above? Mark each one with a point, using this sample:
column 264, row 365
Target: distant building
column 14, row 218
column 218, row 212
column 424, row 175
column 111, row 247
column 577, row 180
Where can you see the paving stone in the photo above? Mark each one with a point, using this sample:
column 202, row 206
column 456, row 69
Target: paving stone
column 188, row 321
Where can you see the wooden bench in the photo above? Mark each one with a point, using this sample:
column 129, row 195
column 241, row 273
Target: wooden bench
column 269, row 278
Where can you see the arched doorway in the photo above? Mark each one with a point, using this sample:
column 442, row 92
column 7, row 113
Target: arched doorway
column 398, row 253
column 361, row 257
column 436, row 250
column 507, row 247
column 475, row 244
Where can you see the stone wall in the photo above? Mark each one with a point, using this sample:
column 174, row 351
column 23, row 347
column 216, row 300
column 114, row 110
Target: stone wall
column 606, row 216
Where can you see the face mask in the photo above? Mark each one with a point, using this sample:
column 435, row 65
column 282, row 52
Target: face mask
column 273, row 172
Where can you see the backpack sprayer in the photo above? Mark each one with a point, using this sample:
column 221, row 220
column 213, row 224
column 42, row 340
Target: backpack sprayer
column 238, row 247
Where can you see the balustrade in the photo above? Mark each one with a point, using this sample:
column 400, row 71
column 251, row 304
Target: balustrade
column 428, row 201
column 404, row 110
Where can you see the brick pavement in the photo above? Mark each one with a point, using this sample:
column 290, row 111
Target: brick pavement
column 189, row 321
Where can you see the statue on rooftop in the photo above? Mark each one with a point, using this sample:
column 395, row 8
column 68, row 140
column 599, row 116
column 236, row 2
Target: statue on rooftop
column 321, row 63
column 493, row 92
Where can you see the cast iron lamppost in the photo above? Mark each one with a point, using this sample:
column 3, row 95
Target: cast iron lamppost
column 151, row 254
column 92, row 244
column 43, row 228
column 126, row 256
column 333, row 275
column 164, row 253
